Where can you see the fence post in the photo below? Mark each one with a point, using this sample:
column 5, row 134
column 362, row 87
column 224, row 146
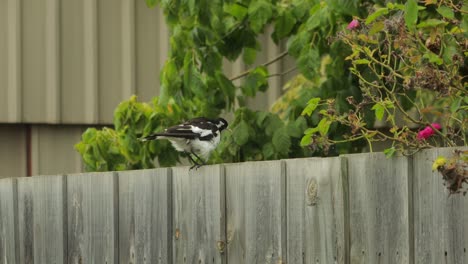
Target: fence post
column 256, row 212
column 440, row 219
column 9, row 242
column 42, row 219
column 315, row 210
column 379, row 208
column 199, row 215
column 145, row 216
column 92, row 208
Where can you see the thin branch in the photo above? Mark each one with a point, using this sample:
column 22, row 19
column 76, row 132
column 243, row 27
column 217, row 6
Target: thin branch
column 283, row 73
column 277, row 58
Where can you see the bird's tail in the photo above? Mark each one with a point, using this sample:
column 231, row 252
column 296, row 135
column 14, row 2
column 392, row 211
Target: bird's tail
column 150, row 137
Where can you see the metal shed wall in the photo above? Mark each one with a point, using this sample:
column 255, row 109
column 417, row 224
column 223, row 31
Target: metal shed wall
column 39, row 149
column 72, row 62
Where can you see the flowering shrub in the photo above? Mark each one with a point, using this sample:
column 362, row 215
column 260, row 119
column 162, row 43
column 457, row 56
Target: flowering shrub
column 410, row 61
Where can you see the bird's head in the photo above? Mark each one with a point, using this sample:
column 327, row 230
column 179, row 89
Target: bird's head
column 221, row 123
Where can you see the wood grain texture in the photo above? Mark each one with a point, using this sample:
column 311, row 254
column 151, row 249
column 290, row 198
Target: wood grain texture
column 8, row 219
column 199, row 215
column 315, row 211
column 379, row 208
column 92, row 205
column 256, row 212
column 145, row 216
column 440, row 220
column 42, row 219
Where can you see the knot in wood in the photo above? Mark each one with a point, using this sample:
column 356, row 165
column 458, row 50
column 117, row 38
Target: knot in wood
column 220, row 245
column 311, row 192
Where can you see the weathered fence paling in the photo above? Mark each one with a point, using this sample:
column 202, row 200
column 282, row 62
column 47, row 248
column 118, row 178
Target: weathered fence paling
column 361, row 208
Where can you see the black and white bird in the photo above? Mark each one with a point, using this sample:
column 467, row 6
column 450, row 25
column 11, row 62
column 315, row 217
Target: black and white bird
column 198, row 137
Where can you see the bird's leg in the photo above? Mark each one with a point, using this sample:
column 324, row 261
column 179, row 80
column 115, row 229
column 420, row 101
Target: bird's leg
column 199, row 159
column 197, row 165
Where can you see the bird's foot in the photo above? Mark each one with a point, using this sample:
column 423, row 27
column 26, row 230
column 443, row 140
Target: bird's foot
column 195, row 166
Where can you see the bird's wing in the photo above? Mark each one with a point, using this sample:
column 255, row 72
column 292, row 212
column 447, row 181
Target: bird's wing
column 182, row 131
column 201, row 128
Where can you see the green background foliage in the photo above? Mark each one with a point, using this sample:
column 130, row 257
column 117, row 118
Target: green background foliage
column 193, row 83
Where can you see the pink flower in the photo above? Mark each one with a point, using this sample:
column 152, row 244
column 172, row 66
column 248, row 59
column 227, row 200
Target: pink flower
column 428, row 132
column 353, row 24
column 436, row 126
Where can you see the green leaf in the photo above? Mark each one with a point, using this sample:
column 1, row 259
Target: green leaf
column 150, row 3
column 195, row 82
column 268, row 151
column 411, row 13
column 323, row 126
column 376, row 28
column 89, row 135
column 257, row 80
column 430, row 23
column 314, row 20
column 260, row 12
column 361, row 61
column 281, row 140
column 170, row 81
column 297, row 42
column 241, row 133
column 261, row 116
column 309, row 62
column 188, row 69
column 389, row 152
column 306, row 140
column 227, row 87
column 249, row 55
column 379, row 111
column 294, row 130
column 464, row 24
column 272, row 123
column 311, row 106
column 283, row 25
column 433, row 58
column 378, row 13
column 446, row 12
column 301, row 123
column 455, row 104
column 236, row 10
column 311, row 130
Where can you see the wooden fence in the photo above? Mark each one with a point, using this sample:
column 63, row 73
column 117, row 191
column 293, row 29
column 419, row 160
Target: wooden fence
column 359, row 208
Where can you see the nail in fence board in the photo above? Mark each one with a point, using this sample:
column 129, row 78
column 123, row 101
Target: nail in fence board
column 199, row 215
column 145, row 216
column 92, row 218
column 440, row 220
column 42, row 219
column 315, row 210
column 379, row 208
column 256, row 212
column 8, row 220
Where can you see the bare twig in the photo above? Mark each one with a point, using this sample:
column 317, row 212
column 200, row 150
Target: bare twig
column 277, row 58
column 283, row 73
